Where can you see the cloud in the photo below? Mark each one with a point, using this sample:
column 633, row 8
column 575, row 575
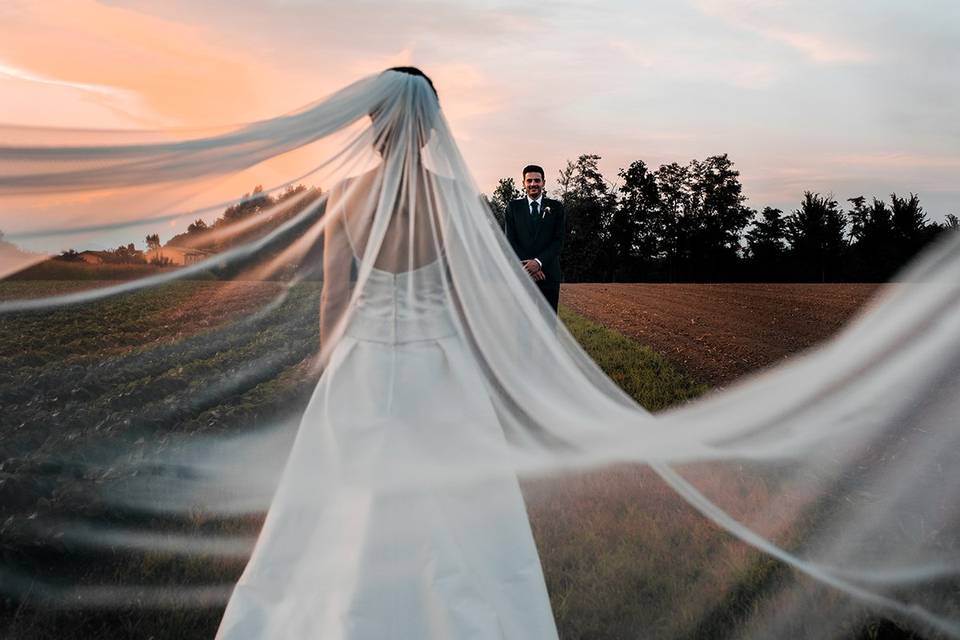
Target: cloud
column 775, row 21
column 24, row 74
column 680, row 64
column 174, row 68
column 33, row 99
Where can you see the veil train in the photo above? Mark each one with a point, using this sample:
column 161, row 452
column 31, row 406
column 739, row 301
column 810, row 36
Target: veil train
column 398, row 511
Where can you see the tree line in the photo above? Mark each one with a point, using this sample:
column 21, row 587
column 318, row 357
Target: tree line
column 690, row 223
column 199, row 234
column 678, row 223
column 279, row 208
column 123, row 254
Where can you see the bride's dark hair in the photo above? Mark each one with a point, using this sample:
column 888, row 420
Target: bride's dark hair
column 414, row 71
column 385, row 127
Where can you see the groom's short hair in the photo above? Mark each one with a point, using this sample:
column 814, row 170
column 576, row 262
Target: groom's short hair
column 533, row 168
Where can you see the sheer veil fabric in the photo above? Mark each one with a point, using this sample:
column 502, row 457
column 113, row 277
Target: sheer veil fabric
column 398, row 512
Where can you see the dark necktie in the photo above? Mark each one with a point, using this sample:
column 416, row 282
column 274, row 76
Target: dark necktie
column 533, row 208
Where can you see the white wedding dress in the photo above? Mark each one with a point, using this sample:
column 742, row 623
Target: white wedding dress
column 363, row 557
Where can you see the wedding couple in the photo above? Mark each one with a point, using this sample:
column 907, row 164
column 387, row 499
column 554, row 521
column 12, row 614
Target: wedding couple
column 445, row 375
column 399, row 513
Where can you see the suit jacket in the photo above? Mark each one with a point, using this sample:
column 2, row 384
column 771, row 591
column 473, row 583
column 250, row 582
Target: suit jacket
column 538, row 237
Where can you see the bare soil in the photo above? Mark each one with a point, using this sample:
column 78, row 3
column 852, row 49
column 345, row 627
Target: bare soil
column 717, row 333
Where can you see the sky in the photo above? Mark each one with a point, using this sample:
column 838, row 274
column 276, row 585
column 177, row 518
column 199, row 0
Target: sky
column 843, row 97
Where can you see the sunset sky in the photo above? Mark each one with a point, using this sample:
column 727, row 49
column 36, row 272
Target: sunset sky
column 844, row 97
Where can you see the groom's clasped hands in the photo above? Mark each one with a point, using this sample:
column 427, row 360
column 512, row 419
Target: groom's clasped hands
column 534, row 269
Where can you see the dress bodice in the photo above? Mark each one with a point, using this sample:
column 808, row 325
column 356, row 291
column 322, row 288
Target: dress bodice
column 408, row 306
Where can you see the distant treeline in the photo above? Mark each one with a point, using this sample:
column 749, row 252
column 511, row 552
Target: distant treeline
column 676, row 224
column 690, row 224
column 279, row 209
column 199, row 235
column 128, row 262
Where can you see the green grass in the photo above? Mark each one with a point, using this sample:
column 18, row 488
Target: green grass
column 645, row 375
column 81, row 271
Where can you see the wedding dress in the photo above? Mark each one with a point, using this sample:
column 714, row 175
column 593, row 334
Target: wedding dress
column 401, row 392
column 445, row 377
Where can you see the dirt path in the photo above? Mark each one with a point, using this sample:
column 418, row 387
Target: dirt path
column 719, row 332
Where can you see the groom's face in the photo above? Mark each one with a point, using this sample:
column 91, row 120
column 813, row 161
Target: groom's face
column 533, row 184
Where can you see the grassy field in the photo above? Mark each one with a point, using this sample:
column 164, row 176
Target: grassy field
column 64, row 271
column 97, row 384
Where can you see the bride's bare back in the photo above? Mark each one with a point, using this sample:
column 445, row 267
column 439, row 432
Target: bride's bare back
column 412, row 237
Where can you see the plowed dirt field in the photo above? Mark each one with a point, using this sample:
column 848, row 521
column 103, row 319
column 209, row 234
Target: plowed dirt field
column 719, row 332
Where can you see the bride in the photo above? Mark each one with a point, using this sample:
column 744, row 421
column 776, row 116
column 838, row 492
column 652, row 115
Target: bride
column 365, row 552
column 398, row 513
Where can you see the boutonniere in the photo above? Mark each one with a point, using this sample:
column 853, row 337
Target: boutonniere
column 544, row 212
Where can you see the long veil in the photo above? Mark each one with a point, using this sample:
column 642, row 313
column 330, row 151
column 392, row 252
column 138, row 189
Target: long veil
column 149, row 413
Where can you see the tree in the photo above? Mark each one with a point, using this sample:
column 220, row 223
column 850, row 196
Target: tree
column 909, row 218
column 250, row 204
column 911, row 230
column 505, row 192
column 950, row 224
column 815, row 233
column 715, row 219
column 636, row 228
column 124, row 255
column 153, row 244
column 767, row 245
column 197, row 226
column 291, row 192
column 673, row 186
column 858, row 217
column 872, row 255
column 588, row 203
column 70, row 255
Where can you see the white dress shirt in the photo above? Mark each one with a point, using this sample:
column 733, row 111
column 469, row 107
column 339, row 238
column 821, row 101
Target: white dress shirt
column 539, row 202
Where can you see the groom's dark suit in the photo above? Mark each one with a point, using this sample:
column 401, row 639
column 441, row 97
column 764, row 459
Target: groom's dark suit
column 538, row 236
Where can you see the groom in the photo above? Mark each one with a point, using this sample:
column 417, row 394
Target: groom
column 534, row 226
